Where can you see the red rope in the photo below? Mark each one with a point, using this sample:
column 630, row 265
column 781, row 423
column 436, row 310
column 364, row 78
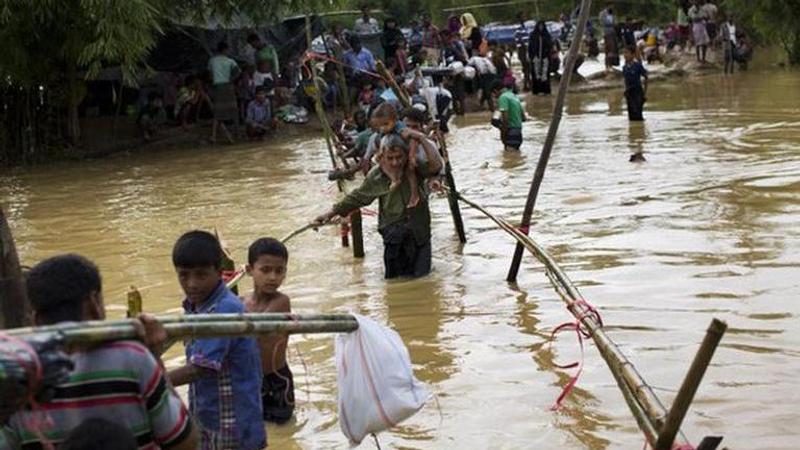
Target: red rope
column 581, row 333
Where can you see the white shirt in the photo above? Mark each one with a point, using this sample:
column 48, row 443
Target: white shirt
column 482, row 65
column 732, row 31
column 710, row 11
column 259, row 77
column 366, row 27
column 430, row 93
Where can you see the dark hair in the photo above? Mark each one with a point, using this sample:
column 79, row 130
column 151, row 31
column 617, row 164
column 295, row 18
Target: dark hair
column 252, row 37
column 153, row 96
column 631, row 49
column 222, row 46
column 415, row 114
column 197, row 249
column 385, row 111
column 496, row 85
column 58, row 286
column 189, row 80
column 99, row 434
column 354, row 41
column 260, row 89
column 266, row 246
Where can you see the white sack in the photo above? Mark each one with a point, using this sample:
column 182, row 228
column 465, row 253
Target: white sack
column 377, row 387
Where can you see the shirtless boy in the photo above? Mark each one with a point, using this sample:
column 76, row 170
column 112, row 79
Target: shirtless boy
column 266, row 263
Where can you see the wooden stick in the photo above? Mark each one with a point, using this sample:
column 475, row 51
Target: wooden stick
column 690, row 384
column 356, row 229
column 389, row 78
column 490, row 5
column 190, row 319
column 14, row 306
column 569, row 67
column 642, row 401
column 180, row 329
column 326, row 128
column 452, row 192
column 134, row 302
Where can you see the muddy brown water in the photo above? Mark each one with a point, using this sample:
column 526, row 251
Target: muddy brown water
column 708, row 227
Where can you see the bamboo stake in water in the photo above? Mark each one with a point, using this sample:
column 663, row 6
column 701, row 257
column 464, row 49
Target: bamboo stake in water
column 452, row 192
column 566, row 76
column 15, row 310
column 134, row 302
column 690, row 384
column 326, row 129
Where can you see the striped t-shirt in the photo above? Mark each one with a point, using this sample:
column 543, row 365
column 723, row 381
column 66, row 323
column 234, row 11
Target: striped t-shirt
column 121, row 382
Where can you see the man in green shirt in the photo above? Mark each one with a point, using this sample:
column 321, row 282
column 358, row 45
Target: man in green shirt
column 406, row 231
column 511, row 117
column 264, row 52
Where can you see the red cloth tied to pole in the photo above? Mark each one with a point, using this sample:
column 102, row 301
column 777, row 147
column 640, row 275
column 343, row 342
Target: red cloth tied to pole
column 581, row 333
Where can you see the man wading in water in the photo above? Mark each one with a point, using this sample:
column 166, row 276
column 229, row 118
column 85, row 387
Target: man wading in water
column 406, row 231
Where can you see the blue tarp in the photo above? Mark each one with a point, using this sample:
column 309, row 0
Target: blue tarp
column 506, row 34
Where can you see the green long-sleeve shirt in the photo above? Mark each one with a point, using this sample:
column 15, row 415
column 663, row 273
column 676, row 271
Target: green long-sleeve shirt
column 269, row 53
column 392, row 204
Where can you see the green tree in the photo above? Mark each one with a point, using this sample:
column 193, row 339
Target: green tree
column 776, row 21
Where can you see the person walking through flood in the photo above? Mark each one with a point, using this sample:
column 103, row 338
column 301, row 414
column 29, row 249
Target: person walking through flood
column 224, row 71
column 699, row 32
column 728, row 37
column 635, row 94
column 610, row 44
column 406, row 231
column 540, row 46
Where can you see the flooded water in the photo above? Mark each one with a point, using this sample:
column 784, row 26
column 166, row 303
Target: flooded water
column 708, row 227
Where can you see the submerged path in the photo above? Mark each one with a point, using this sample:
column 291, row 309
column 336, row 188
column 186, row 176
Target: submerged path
column 708, row 226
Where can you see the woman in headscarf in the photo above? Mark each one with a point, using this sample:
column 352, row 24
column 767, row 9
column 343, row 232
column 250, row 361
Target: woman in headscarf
column 470, row 33
column 453, row 24
column 540, row 46
column 391, row 38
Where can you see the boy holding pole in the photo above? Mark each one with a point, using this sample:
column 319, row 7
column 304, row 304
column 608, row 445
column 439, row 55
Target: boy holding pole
column 223, row 373
column 266, row 263
column 123, row 381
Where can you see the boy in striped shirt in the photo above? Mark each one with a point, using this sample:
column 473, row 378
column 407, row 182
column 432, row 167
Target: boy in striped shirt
column 120, row 381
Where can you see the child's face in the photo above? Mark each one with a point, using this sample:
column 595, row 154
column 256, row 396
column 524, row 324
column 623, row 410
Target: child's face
column 198, row 282
column 268, row 273
column 261, row 96
column 385, row 124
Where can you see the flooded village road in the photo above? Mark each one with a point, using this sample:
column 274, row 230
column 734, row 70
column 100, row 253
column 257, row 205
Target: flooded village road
column 708, row 227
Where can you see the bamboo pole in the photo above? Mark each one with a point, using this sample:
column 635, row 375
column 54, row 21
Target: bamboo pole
column 177, row 331
column 356, row 229
column 569, row 67
column 452, row 192
column 690, row 384
column 261, row 323
column 389, row 78
column 326, row 128
column 490, row 5
column 14, row 305
column 645, row 406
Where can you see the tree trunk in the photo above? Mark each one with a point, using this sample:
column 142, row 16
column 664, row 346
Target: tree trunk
column 14, row 306
column 73, row 102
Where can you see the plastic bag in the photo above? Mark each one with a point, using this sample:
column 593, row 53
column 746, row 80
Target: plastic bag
column 377, row 387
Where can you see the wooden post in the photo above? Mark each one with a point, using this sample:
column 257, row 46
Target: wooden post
column 569, row 67
column 452, row 191
column 326, row 128
column 134, row 302
column 14, row 306
column 690, row 384
column 358, row 234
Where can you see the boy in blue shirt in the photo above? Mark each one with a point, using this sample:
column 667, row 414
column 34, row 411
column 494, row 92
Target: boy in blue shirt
column 633, row 71
column 224, row 374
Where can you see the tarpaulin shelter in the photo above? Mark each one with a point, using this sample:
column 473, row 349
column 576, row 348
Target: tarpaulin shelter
column 186, row 48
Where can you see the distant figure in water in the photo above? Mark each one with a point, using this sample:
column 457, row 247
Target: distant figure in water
column 637, row 157
column 635, row 93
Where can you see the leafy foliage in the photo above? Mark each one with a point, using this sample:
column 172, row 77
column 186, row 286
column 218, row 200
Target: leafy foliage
column 774, row 20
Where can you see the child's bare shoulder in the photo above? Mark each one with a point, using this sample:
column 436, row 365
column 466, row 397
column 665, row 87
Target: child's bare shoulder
column 281, row 303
